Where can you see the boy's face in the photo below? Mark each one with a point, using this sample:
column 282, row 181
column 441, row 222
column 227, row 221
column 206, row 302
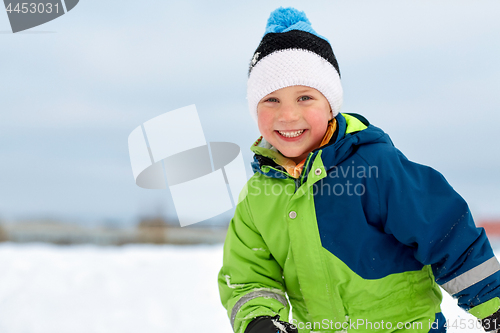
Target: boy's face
column 294, row 120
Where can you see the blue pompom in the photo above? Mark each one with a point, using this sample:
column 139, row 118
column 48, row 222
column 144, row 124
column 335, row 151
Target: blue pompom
column 286, row 19
column 283, row 18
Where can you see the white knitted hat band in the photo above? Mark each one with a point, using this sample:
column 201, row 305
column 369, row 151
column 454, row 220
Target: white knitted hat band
column 291, row 67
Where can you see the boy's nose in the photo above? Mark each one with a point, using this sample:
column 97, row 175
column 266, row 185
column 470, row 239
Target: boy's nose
column 288, row 114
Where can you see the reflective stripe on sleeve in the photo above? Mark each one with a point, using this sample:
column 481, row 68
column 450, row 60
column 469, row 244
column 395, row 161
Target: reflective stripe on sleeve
column 254, row 294
column 472, row 276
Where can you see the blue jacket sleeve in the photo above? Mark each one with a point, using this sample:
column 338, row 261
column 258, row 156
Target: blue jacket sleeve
column 424, row 212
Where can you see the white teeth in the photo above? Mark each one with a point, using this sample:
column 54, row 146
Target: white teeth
column 292, row 134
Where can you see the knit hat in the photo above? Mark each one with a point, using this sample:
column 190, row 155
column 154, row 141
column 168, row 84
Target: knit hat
column 291, row 53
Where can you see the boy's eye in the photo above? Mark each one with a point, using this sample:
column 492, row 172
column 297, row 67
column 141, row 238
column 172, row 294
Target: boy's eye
column 304, row 98
column 272, row 99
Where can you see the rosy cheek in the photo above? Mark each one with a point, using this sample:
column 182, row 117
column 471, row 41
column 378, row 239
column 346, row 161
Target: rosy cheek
column 265, row 120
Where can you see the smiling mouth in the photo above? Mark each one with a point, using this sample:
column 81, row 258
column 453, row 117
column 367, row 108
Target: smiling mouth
column 291, row 134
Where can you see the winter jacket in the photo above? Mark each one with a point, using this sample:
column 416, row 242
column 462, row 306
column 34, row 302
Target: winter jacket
column 361, row 241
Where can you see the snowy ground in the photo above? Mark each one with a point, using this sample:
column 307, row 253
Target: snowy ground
column 135, row 288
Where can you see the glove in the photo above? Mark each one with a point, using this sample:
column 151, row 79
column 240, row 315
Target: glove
column 491, row 323
column 270, row 325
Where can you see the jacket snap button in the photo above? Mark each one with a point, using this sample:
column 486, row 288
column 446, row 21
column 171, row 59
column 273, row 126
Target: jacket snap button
column 292, row 214
column 317, row 171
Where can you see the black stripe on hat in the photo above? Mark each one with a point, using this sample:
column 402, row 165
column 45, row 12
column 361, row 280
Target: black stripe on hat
column 293, row 39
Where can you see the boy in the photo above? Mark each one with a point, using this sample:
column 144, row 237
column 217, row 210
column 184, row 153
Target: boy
column 336, row 222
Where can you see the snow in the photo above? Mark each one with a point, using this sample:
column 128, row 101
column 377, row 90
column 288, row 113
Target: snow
column 134, row 288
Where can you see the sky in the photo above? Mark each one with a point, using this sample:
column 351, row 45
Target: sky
column 73, row 89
